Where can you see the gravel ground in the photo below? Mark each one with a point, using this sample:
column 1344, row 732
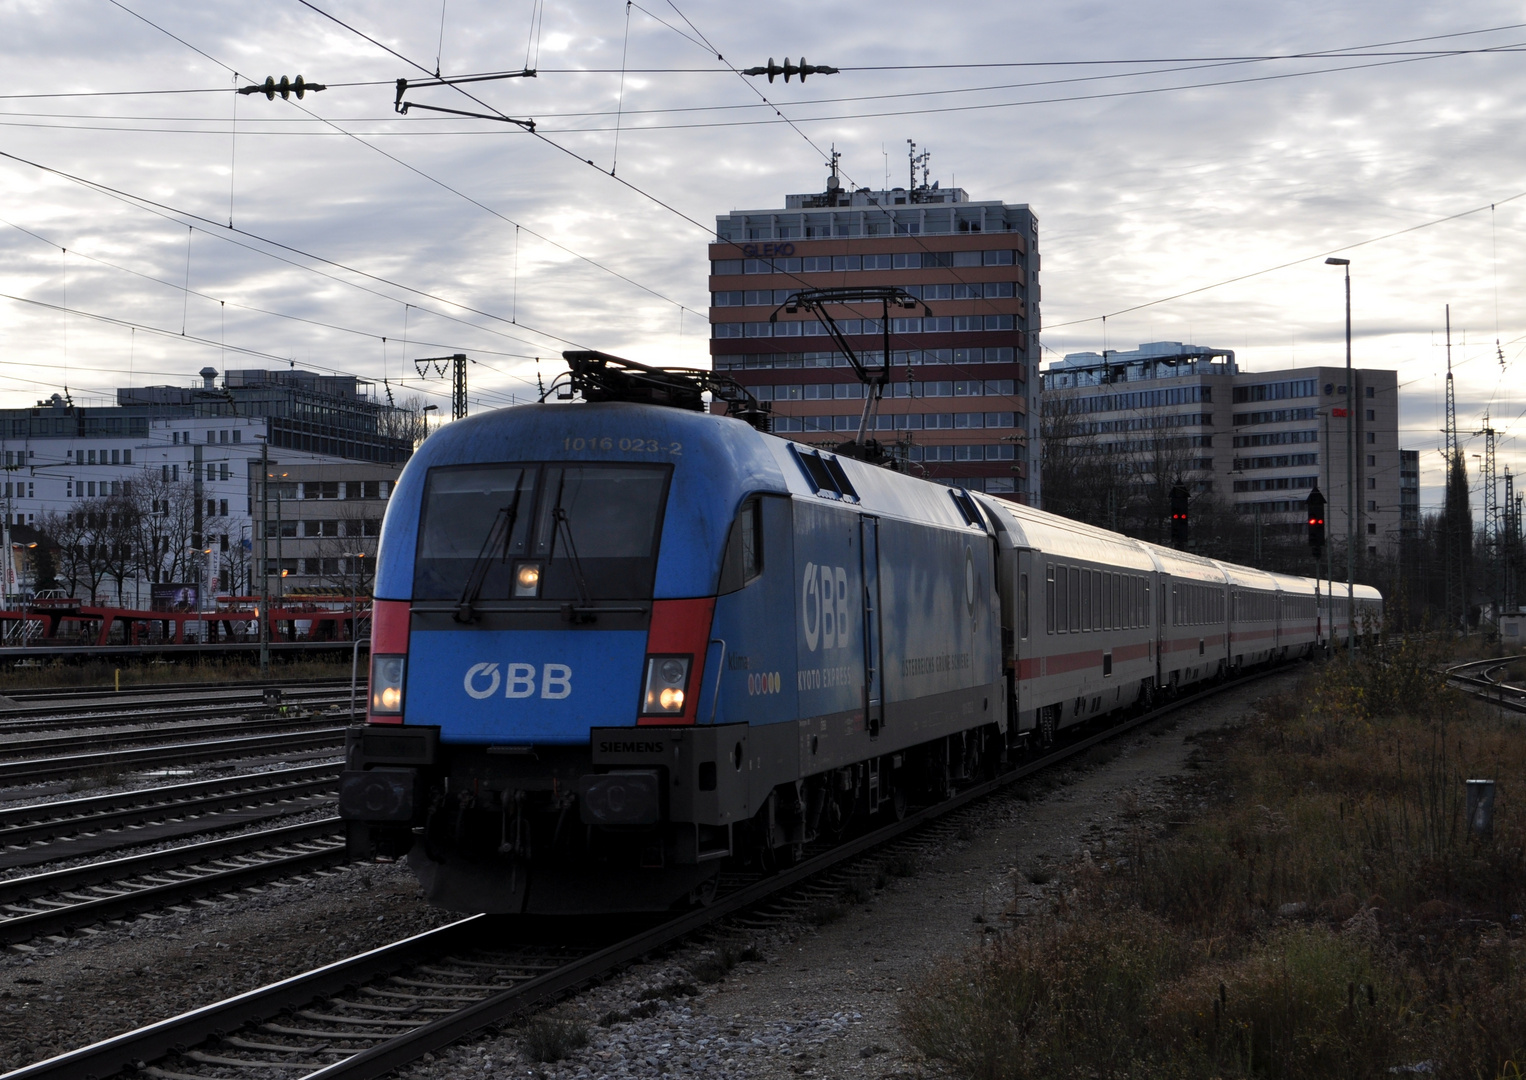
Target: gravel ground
column 55, row 996
column 804, row 1000
column 824, row 1001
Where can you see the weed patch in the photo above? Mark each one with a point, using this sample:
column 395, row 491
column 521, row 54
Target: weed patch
column 1310, row 905
column 550, row 1039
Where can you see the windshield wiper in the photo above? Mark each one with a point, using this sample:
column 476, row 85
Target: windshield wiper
column 500, row 532
column 563, row 527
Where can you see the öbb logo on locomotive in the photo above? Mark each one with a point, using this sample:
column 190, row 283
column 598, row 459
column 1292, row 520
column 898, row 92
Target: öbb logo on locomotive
column 518, row 681
column 824, row 606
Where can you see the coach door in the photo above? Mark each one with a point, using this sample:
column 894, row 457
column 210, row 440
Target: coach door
column 1021, row 649
column 1162, row 626
column 874, row 694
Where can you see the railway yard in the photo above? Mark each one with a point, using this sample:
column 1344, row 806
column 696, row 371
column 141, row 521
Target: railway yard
column 141, row 889
column 188, row 865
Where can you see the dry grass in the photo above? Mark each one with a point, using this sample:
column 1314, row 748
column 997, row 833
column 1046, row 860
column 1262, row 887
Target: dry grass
column 1322, row 913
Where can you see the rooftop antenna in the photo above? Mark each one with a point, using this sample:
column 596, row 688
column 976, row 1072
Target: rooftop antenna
column 834, row 182
column 915, row 159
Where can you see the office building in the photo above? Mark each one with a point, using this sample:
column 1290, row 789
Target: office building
column 964, row 359
column 162, row 487
column 1259, row 441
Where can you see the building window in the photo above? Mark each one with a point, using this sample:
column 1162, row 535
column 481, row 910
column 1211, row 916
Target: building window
column 1372, row 415
column 1372, row 437
column 1370, row 392
column 1372, row 483
column 1372, row 530
column 1372, row 460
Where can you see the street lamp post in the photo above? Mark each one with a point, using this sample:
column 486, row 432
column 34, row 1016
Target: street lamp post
column 1350, row 472
column 264, row 619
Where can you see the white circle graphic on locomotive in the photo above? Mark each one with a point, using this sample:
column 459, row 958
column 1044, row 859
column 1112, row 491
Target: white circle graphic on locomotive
column 488, row 670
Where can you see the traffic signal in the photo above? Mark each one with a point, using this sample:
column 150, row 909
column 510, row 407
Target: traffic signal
column 1316, row 522
column 1179, row 499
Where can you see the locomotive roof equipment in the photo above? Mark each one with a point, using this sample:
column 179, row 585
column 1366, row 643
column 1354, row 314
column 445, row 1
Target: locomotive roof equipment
column 601, row 377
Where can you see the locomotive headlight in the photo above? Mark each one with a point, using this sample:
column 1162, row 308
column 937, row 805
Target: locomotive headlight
column 527, row 580
column 667, row 678
column 387, row 685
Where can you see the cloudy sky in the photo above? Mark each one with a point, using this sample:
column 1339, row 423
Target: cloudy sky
column 1168, row 150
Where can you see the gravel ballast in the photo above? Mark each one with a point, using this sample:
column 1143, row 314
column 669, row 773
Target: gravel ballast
column 801, row 1000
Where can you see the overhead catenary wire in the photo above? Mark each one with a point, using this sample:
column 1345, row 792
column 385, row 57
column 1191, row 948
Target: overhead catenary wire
column 253, row 309
column 419, row 172
column 168, row 332
column 704, row 42
column 222, row 233
column 1355, row 50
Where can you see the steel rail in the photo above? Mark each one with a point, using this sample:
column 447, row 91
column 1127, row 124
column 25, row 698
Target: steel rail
column 32, row 824
column 129, row 899
column 95, row 835
column 112, row 1055
column 106, row 712
column 176, row 729
column 255, row 687
column 14, row 772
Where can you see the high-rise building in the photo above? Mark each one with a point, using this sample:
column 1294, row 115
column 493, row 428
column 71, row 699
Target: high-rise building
column 964, row 359
column 1260, row 441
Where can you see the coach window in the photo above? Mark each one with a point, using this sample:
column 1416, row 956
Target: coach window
column 1049, row 598
column 1022, row 605
column 1079, row 599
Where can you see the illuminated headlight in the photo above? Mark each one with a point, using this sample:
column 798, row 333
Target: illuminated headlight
column 387, row 685
column 667, row 677
column 527, row 580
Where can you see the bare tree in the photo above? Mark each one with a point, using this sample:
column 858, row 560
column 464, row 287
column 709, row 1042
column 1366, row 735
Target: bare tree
column 349, row 558
column 82, row 534
column 404, row 421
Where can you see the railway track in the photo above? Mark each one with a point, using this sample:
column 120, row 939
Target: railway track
column 313, row 735
column 60, row 901
column 171, row 729
column 367, row 1015
column 1475, row 678
column 254, row 689
column 105, row 712
column 78, row 828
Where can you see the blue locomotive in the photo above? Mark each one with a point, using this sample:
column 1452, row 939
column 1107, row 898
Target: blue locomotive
column 617, row 645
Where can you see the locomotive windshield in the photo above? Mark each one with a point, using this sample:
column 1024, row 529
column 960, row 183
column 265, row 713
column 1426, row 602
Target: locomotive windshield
column 550, row 532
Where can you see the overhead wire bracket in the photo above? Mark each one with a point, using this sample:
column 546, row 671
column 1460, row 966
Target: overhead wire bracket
column 816, row 301
column 404, row 85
